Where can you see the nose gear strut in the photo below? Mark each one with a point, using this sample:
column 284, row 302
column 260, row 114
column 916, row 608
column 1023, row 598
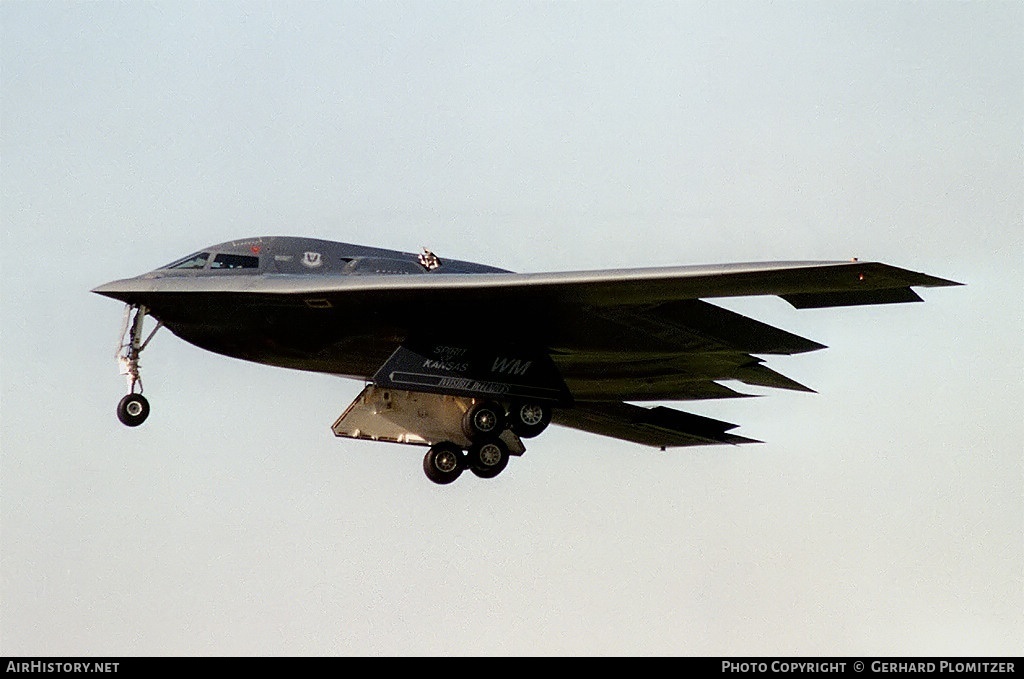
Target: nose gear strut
column 133, row 408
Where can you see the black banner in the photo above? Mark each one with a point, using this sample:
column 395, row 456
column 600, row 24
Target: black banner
column 444, row 368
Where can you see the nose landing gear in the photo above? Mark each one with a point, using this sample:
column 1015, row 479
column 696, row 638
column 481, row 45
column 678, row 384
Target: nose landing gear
column 133, row 408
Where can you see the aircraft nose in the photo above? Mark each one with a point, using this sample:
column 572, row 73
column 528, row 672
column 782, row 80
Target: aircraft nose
column 103, row 289
column 119, row 289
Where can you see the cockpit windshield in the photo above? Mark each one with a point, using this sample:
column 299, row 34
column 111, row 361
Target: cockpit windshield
column 196, row 261
column 225, row 261
column 221, row 262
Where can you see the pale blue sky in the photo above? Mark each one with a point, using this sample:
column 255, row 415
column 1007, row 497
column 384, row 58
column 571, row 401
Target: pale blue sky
column 884, row 515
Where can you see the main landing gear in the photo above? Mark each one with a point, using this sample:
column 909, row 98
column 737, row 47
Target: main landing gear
column 487, row 455
column 133, row 408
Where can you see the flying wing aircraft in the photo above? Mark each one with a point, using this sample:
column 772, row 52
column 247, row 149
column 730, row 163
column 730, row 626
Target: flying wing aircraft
column 468, row 360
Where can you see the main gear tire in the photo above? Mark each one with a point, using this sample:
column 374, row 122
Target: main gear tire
column 528, row 419
column 484, row 421
column 443, row 463
column 488, row 458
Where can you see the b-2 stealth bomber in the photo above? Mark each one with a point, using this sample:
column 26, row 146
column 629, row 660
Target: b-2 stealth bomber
column 469, row 360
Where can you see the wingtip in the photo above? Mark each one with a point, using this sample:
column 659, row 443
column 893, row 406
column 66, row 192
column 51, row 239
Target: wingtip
column 936, row 282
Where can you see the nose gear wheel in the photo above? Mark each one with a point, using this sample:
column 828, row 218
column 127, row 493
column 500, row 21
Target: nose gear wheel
column 133, row 410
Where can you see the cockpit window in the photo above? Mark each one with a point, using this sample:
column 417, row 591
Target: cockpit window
column 196, row 261
column 224, row 261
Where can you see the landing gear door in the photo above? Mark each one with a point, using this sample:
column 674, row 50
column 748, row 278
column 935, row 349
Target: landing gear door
column 444, row 368
column 398, row 416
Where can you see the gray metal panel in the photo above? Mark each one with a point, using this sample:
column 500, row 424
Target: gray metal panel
column 660, row 427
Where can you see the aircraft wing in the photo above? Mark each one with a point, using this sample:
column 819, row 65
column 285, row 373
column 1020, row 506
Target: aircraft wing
column 616, row 335
column 802, row 284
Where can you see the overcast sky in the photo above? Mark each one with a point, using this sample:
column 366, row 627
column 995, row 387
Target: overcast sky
column 882, row 516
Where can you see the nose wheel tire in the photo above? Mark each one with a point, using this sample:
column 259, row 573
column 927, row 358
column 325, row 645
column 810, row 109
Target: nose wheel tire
column 133, row 410
column 487, row 459
column 443, row 463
